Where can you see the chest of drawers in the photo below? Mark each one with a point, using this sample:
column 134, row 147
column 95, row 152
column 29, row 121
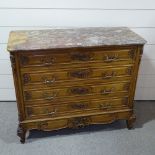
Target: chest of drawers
column 74, row 77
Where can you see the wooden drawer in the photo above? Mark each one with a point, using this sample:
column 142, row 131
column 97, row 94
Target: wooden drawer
column 67, row 77
column 74, row 92
column 72, row 107
column 56, row 59
column 77, row 121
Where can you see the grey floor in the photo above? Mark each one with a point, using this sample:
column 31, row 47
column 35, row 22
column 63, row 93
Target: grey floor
column 113, row 139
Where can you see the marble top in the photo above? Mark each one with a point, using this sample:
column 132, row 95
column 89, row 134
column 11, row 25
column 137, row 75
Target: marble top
column 69, row 38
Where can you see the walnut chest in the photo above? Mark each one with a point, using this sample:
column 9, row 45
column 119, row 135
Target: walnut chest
column 70, row 78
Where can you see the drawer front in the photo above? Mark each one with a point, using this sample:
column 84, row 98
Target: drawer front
column 80, row 121
column 72, row 107
column 55, row 79
column 63, row 59
column 73, row 92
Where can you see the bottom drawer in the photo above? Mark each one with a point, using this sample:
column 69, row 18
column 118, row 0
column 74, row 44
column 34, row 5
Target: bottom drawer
column 72, row 107
column 76, row 122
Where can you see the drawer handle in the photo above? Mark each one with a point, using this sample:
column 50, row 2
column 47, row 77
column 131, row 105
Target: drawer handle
column 79, row 106
column 111, row 58
column 107, row 92
column 47, row 97
column 50, row 112
column 106, row 106
column 46, row 81
column 108, row 76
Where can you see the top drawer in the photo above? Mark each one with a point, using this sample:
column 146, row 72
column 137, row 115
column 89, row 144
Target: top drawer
column 63, row 58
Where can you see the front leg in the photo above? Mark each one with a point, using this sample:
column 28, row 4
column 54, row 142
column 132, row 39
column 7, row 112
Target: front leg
column 131, row 121
column 21, row 132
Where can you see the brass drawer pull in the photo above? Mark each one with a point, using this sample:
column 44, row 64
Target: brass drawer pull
column 50, row 112
column 47, row 97
column 46, row 81
column 108, row 76
column 79, row 106
column 111, row 58
column 107, row 92
column 106, row 106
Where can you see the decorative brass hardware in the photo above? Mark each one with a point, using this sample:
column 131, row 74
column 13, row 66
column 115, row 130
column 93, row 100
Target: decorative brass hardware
column 85, row 73
column 27, row 95
column 47, row 61
column 46, row 81
column 105, row 106
column 81, row 57
column 48, row 96
column 107, row 91
column 79, row 105
column 111, row 58
column 46, row 111
column 109, row 76
column 24, row 60
column 80, row 90
column 42, row 125
column 26, row 78
column 79, row 122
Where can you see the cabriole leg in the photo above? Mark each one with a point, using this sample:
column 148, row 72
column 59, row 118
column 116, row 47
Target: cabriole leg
column 130, row 121
column 21, row 132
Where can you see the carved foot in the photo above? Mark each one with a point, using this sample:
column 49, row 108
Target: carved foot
column 21, row 132
column 130, row 121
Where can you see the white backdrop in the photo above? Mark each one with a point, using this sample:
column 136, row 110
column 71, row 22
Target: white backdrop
column 139, row 15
